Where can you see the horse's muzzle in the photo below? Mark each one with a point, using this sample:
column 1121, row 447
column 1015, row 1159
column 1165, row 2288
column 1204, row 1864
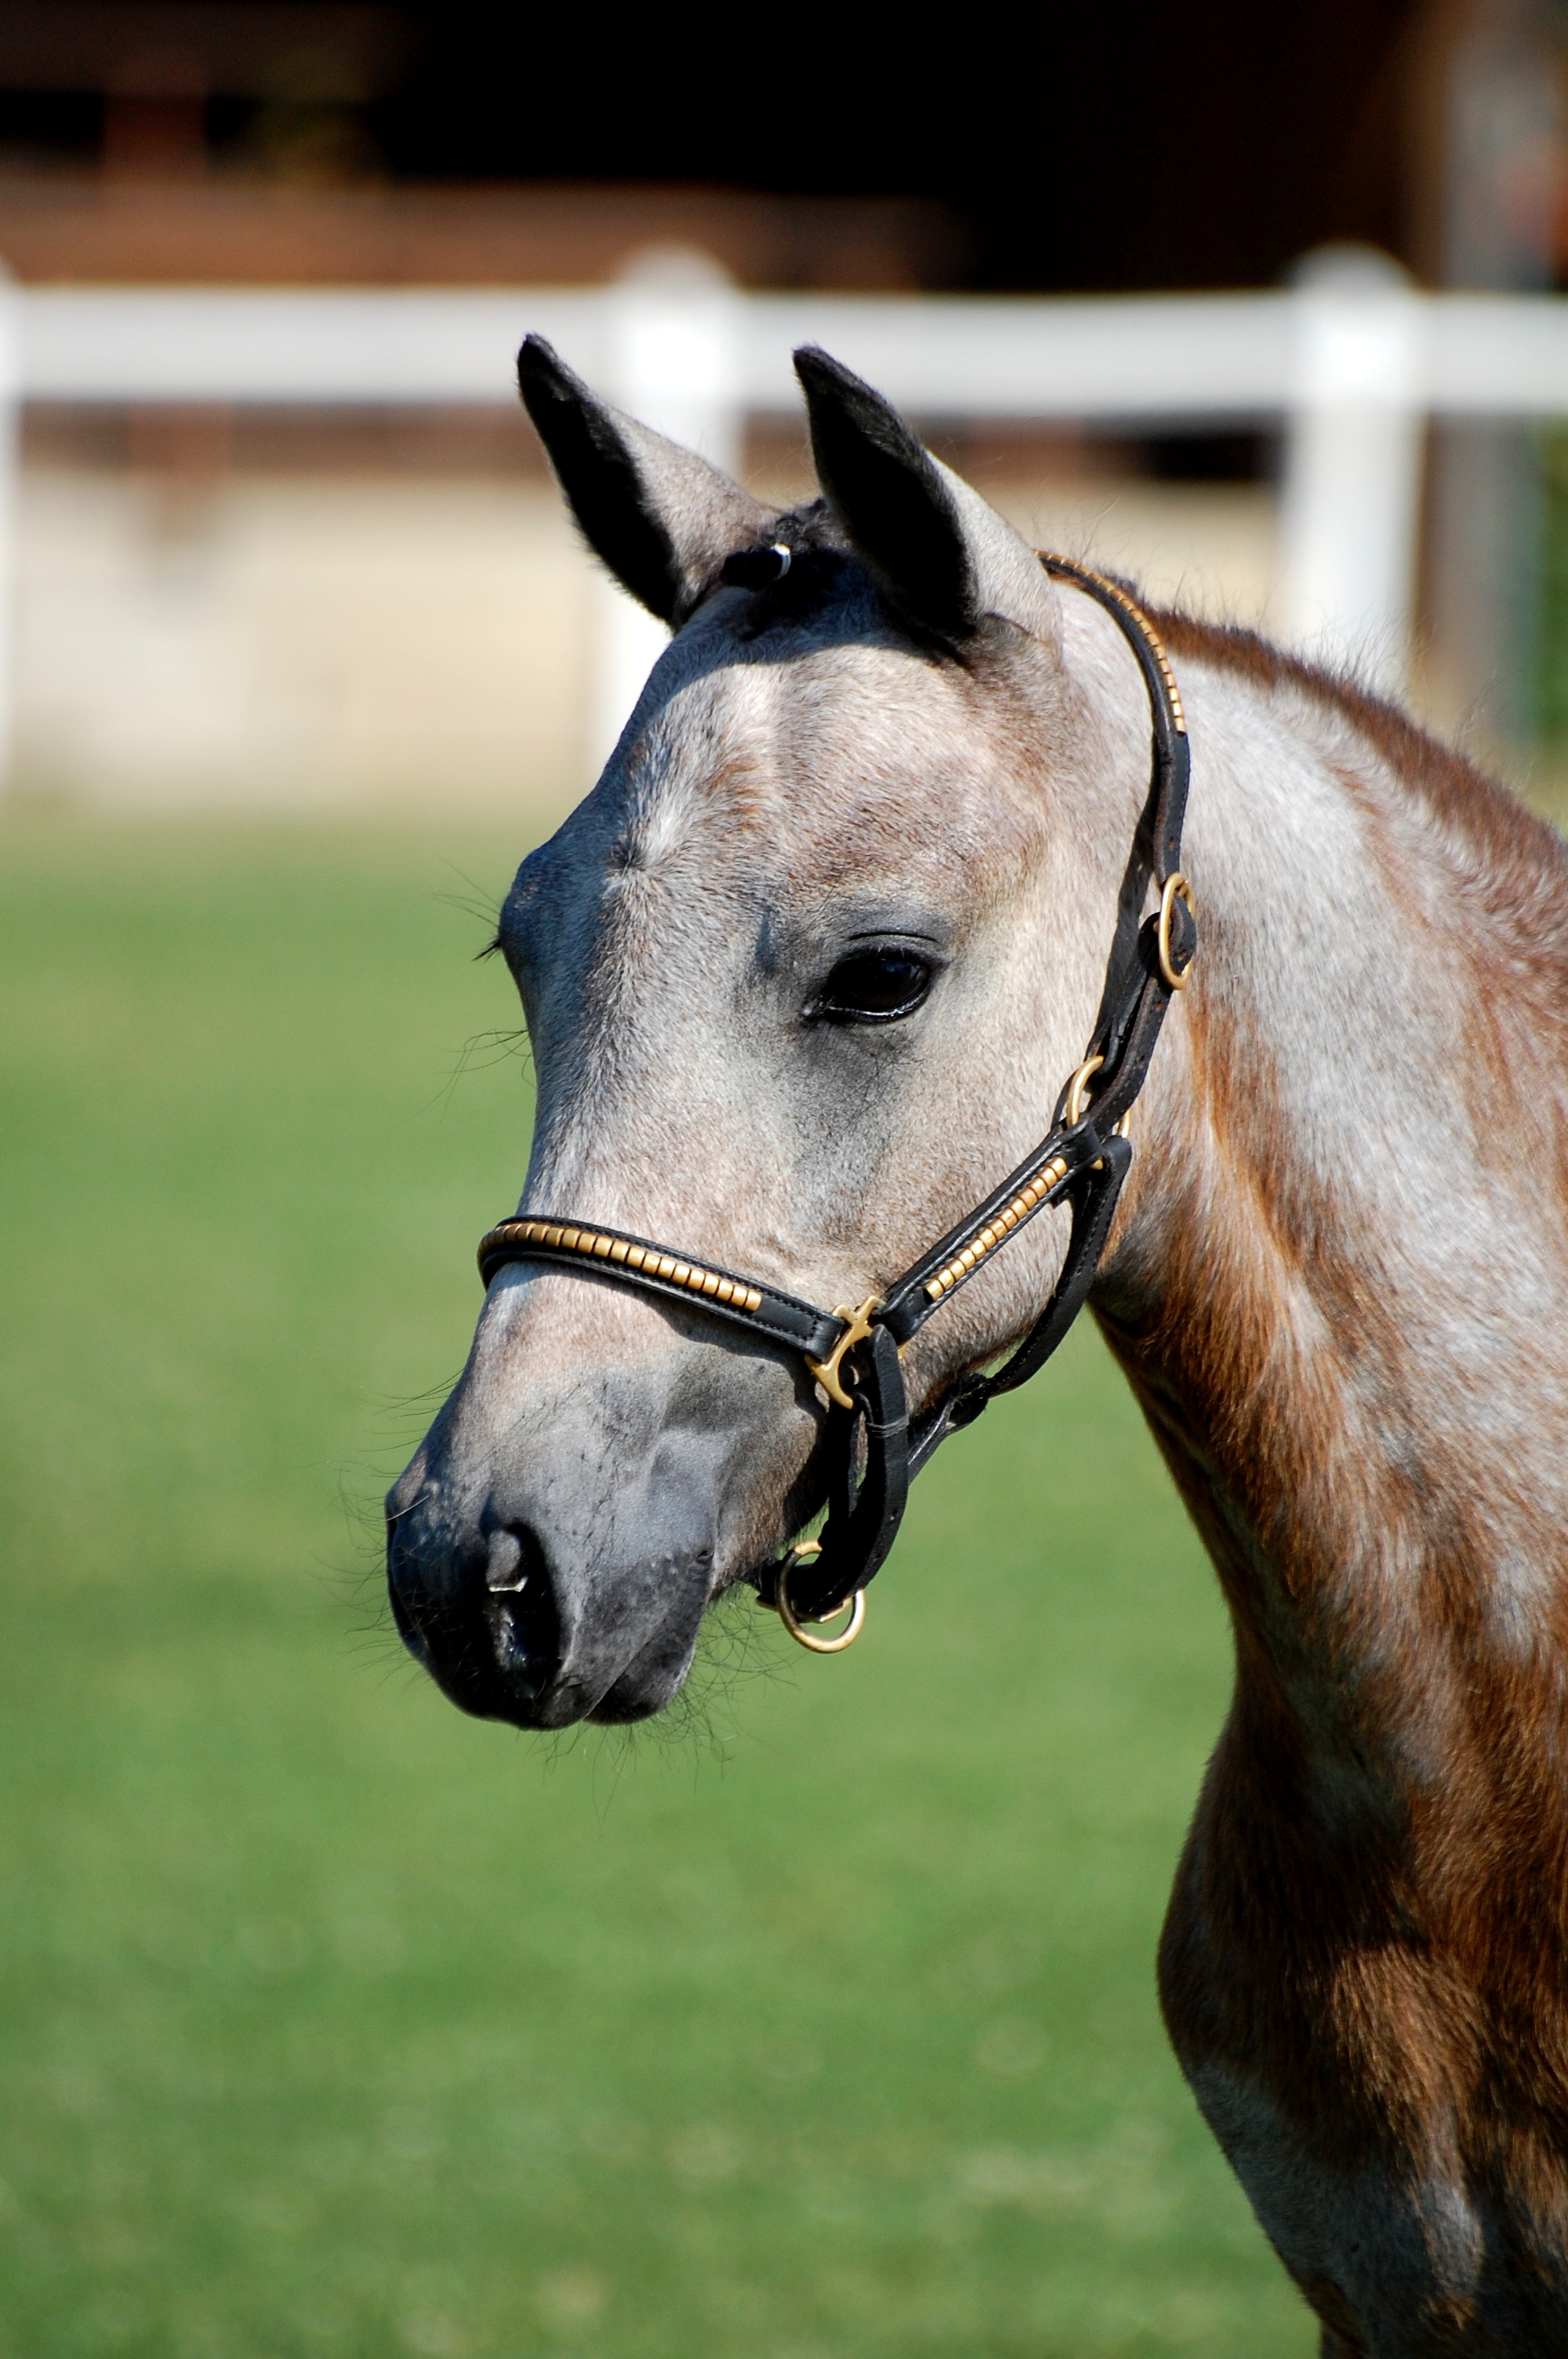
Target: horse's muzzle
column 508, row 1636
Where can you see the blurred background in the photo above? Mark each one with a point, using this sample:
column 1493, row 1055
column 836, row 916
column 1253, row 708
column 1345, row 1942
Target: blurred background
column 824, row 2018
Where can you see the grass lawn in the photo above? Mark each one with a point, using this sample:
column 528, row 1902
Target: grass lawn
column 820, row 2023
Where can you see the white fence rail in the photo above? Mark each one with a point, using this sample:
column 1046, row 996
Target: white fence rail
column 1350, row 364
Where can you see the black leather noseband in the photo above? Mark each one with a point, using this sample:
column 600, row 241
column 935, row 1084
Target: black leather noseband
column 871, row 1445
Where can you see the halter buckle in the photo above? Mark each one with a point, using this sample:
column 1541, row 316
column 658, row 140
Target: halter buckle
column 857, row 1328
column 1078, row 1089
column 1175, row 886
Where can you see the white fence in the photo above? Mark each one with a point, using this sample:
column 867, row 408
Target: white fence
column 1350, row 364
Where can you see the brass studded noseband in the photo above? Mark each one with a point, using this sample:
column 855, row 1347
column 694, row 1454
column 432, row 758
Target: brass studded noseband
column 872, row 1447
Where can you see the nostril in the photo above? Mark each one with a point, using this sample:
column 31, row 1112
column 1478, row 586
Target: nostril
column 505, row 1568
column 521, row 1609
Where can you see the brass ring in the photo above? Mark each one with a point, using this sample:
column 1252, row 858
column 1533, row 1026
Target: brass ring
column 1174, row 883
column 857, row 1328
column 1072, row 1111
column 857, row 1606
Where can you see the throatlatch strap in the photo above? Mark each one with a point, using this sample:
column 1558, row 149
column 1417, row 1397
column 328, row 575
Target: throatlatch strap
column 871, row 1451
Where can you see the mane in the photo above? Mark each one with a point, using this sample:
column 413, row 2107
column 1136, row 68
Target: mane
column 1482, row 830
column 1455, row 788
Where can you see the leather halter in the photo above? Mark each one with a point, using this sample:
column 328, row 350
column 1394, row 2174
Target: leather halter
column 872, row 1447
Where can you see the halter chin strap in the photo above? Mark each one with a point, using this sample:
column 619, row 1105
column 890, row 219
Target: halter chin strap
column 872, row 1447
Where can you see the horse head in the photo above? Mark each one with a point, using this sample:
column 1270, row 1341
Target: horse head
column 803, row 976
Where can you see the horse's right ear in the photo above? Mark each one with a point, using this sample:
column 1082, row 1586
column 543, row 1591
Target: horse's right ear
column 940, row 551
column 662, row 519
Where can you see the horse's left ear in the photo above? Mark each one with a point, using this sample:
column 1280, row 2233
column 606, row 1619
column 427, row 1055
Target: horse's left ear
column 662, row 521
column 942, row 553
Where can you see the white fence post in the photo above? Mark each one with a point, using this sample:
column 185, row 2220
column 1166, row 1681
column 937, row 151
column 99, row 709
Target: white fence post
column 1350, row 504
column 10, row 463
column 673, row 351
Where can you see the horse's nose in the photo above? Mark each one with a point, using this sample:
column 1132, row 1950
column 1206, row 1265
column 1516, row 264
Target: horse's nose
column 520, row 1607
column 542, row 1601
column 486, row 1622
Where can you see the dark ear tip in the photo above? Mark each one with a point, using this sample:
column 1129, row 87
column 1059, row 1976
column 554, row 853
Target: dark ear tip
column 819, row 373
column 834, row 393
column 539, row 364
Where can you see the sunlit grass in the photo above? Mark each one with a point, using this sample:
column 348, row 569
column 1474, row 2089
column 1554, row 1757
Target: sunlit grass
column 820, row 2025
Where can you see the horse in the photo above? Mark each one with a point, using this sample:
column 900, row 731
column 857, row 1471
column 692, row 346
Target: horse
column 803, row 977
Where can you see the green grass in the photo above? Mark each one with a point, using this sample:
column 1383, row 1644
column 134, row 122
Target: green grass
column 334, row 2023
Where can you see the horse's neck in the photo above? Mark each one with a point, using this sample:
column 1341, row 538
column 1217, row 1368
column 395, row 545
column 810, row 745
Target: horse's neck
column 1341, row 1288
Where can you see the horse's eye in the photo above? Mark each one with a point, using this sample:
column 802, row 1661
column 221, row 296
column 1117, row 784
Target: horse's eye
column 874, row 986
